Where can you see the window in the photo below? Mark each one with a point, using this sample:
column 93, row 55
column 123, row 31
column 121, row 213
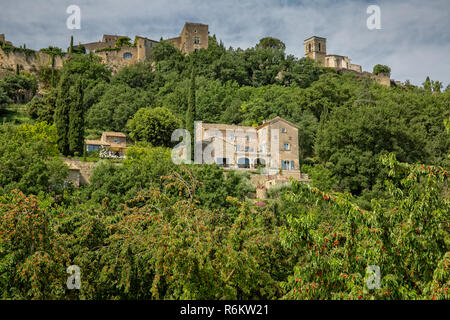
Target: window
column 91, row 147
column 292, row 165
column 196, row 40
column 247, row 138
column 116, row 140
column 263, row 148
column 319, row 46
column 127, row 55
column 196, row 49
column 285, row 164
column 287, row 146
column 283, row 130
column 232, row 136
column 309, row 47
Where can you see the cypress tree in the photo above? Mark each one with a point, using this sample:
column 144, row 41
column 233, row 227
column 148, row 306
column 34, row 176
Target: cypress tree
column 190, row 112
column 76, row 119
column 427, row 84
column 61, row 116
column 71, row 45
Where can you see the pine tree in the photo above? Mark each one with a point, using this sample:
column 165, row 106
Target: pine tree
column 76, row 119
column 427, row 84
column 190, row 112
column 61, row 116
column 71, row 45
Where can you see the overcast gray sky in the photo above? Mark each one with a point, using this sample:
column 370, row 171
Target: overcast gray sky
column 414, row 38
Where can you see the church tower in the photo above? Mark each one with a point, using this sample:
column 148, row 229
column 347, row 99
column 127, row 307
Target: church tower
column 316, row 48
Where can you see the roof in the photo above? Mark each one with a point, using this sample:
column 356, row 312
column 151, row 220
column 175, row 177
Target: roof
column 96, row 143
column 278, row 119
column 315, row 38
column 195, row 23
column 146, row 38
column 221, row 126
column 114, row 134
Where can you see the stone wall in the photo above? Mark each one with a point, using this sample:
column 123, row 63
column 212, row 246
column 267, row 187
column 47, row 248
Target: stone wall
column 115, row 58
column 31, row 63
column 79, row 172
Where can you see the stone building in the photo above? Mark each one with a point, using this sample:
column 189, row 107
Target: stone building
column 193, row 37
column 316, row 48
column 272, row 146
column 110, row 145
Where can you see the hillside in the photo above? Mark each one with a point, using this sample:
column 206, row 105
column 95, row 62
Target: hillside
column 378, row 157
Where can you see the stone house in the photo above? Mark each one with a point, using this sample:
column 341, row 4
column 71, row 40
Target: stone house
column 110, row 145
column 271, row 147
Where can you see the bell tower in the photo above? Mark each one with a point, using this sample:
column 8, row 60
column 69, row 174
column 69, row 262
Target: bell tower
column 316, row 48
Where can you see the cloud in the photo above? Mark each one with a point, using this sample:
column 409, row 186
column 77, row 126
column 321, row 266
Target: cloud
column 414, row 39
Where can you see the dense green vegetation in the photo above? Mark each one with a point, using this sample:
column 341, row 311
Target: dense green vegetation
column 146, row 228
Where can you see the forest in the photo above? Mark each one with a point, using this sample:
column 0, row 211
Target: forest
column 146, row 228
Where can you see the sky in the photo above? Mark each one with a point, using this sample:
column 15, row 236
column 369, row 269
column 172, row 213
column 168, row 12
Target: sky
column 414, row 39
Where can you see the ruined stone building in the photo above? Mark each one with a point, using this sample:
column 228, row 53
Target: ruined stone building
column 193, row 37
column 316, row 48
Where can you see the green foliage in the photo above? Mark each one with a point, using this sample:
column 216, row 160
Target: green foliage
column 154, row 126
column 118, row 104
column 145, row 228
column 379, row 68
column 75, row 134
column 28, row 157
column 123, row 42
column 271, row 43
column 406, row 236
column 42, row 109
column 19, row 88
column 5, row 100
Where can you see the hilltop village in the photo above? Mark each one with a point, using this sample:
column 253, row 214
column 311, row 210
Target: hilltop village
column 117, row 51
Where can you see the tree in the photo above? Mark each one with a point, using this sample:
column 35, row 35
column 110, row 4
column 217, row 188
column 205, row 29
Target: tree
column 123, row 42
column 4, row 99
column 427, row 84
column 191, row 112
column 379, row 68
column 53, row 52
column 116, row 106
column 71, row 45
column 29, row 158
column 153, row 125
column 61, row 116
column 76, row 119
column 271, row 43
column 436, row 86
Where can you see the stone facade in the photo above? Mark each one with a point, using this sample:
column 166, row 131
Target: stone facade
column 193, row 37
column 79, row 172
column 272, row 147
column 31, row 63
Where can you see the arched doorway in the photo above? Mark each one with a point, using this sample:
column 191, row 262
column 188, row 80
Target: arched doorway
column 243, row 163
